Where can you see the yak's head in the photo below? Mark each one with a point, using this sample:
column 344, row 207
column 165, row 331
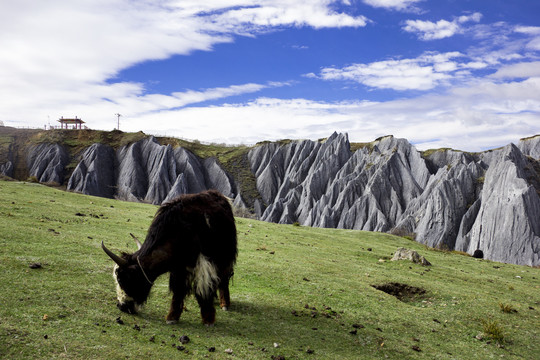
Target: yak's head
column 132, row 285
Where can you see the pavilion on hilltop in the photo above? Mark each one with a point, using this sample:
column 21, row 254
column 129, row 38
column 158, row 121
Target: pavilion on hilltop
column 72, row 123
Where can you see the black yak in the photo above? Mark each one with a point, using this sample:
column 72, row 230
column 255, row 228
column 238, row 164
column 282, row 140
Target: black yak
column 194, row 239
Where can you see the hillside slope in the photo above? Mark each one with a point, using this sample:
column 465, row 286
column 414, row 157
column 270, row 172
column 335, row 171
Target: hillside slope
column 316, row 293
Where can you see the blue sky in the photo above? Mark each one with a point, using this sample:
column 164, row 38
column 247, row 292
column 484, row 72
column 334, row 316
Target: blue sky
column 461, row 74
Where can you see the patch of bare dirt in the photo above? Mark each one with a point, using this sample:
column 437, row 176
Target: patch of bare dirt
column 402, row 292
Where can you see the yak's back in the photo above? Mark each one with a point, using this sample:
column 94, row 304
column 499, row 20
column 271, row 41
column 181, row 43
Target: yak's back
column 196, row 223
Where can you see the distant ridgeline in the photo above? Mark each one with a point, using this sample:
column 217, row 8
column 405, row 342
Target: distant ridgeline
column 446, row 199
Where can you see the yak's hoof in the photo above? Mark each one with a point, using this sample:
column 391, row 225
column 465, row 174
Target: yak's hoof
column 224, row 308
column 172, row 322
column 209, row 325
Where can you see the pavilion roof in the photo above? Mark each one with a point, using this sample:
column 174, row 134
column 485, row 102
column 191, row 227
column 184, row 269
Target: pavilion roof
column 71, row 121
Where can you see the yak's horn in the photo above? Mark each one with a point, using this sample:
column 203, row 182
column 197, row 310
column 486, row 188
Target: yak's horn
column 136, row 241
column 117, row 259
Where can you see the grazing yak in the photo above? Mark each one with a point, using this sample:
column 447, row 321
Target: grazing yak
column 194, row 239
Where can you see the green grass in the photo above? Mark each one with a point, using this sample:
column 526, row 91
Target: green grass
column 299, row 287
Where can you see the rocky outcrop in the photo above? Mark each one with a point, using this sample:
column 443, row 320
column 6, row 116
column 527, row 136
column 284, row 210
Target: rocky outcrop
column 6, row 160
column 328, row 186
column 147, row 171
column 95, row 173
column 6, row 169
column 506, row 224
column 435, row 216
column 46, row 162
column 407, row 254
column 449, row 200
column 530, row 146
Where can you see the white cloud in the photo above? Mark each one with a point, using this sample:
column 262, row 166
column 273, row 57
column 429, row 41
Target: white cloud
column 428, row 30
column 532, row 30
column 284, row 13
column 422, row 73
column 393, row 4
column 519, row 70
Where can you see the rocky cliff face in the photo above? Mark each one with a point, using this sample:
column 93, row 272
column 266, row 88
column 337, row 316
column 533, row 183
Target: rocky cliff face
column 446, row 199
column 449, row 199
column 95, row 173
column 146, row 171
column 506, row 216
column 46, row 162
column 6, row 168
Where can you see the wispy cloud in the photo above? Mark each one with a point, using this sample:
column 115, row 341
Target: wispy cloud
column 428, row 30
column 519, row 70
column 269, row 14
column 512, row 55
column 534, row 32
column 423, row 73
column 401, row 5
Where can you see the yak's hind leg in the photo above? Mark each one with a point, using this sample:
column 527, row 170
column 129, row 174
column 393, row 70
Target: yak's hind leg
column 179, row 288
column 224, row 295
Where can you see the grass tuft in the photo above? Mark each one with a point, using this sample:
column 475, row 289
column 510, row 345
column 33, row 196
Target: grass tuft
column 507, row 308
column 493, row 330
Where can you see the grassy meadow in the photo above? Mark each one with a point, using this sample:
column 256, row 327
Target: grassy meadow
column 297, row 293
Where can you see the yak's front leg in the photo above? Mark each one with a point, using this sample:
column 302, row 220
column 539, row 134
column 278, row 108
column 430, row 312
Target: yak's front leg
column 177, row 306
column 208, row 312
column 177, row 284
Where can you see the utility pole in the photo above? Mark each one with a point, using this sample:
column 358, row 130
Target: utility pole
column 118, row 115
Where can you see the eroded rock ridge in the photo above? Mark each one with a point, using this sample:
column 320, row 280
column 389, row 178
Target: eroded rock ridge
column 445, row 199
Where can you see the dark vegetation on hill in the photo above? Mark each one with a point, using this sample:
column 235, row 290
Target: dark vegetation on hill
column 444, row 198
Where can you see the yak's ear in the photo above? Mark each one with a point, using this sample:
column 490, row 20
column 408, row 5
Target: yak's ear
column 117, row 259
column 136, row 241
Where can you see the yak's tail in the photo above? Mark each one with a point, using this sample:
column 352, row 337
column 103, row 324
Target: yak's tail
column 205, row 277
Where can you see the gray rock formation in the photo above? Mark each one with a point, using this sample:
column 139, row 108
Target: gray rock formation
column 506, row 224
column 530, row 146
column 449, row 200
column 217, row 178
column 143, row 171
column 94, row 175
column 435, row 216
column 328, row 186
column 47, row 162
column 6, row 169
column 407, row 254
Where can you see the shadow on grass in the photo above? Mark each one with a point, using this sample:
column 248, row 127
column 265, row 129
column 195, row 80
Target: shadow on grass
column 258, row 326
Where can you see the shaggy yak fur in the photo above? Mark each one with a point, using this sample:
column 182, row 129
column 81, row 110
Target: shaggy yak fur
column 194, row 239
